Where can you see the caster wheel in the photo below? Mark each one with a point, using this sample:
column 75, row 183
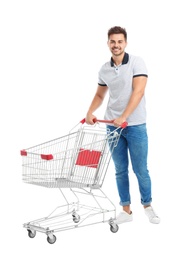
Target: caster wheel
column 31, row 234
column 114, row 228
column 76, row 218
column 51, row 240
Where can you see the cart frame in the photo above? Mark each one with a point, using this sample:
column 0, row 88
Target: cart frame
column 78, row 172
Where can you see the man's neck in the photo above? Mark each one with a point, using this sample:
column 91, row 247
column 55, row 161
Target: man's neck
column 118, row 59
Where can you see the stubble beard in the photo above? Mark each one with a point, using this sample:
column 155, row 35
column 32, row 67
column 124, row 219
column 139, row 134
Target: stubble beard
column 117, row 54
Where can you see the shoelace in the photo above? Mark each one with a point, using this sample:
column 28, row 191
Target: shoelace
column 151, row 213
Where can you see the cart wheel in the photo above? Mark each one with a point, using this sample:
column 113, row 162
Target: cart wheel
column 31, row 234
column 76, row 218
column 114, row 228
column 52, row 239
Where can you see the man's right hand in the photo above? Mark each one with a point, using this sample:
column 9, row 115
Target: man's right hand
column 90, row 118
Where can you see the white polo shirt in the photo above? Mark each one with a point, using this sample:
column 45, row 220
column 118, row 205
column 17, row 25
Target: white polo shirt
column 119, row 79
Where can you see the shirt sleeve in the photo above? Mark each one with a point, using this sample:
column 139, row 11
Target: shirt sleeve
column 139, row 68
column 100, row 80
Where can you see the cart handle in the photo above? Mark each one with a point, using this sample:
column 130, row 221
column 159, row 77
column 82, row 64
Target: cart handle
column 95, row 120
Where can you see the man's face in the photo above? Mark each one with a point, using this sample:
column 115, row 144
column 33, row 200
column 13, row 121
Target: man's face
column 117, row 44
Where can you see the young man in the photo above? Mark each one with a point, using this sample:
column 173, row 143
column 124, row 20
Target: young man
column 125, row 77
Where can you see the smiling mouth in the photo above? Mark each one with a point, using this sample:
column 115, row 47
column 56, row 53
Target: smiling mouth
column 115, row 49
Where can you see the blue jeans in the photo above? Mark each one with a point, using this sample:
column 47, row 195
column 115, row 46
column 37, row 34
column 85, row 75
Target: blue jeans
column 133, row 140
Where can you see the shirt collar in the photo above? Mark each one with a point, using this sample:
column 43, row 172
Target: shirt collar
column 124, row 61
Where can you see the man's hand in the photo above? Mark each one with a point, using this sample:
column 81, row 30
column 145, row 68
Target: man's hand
column 119, row 121
column 90, row 118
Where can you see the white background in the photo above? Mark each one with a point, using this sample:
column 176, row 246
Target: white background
column 50, row 54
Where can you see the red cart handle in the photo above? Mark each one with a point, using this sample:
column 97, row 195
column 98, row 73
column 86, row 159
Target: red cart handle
column 124, row 125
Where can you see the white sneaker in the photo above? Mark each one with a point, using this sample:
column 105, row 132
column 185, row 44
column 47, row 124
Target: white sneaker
column 153, row 218
column 123, row 217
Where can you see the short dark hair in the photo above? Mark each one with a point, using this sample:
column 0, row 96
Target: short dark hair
column 117, row 30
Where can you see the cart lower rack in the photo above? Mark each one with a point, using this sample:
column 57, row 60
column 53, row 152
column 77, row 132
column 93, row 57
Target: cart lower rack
column 76, row 164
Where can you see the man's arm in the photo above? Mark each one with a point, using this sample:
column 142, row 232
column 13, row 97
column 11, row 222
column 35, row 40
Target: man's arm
column 96, row 102
column 139, row 85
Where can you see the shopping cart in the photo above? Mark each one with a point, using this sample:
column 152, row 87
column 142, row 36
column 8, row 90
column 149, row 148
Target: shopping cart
column 76, row 164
